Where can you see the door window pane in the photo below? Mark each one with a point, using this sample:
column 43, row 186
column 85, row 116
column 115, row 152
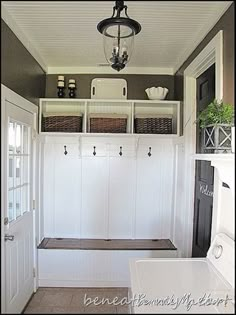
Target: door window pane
column 10, row 172
column 25, row 168
column 10, row 205
column 18, row 201
column 25, row 139
column 18, row 139
column 11, row 135
column 18, row 171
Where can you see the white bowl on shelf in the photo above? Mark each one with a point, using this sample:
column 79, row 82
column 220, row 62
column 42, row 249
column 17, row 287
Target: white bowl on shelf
column 156, row 93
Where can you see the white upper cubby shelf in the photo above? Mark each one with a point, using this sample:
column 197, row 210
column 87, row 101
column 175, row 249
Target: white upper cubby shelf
column 131, row 109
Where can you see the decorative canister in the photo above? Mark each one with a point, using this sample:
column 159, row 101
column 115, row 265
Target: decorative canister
column 61, row 86
column 71, row 88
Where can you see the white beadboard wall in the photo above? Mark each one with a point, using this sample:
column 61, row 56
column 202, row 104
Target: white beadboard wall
column 107, row 195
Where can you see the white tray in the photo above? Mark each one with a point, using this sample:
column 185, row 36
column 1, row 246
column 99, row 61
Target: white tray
column 107, row 88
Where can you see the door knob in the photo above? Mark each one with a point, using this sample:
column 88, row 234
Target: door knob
column 9, row 238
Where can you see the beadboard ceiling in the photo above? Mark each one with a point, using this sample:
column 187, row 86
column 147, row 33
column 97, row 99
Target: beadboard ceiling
column 63, row 34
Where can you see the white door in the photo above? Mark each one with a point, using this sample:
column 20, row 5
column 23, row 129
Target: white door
column 18, row 222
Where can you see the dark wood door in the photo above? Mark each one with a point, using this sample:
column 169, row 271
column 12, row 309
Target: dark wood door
column 204, row 178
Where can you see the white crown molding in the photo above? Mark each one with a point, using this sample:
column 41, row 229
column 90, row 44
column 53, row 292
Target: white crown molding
column 109, row 70
column 199, row 39
column 22, row 37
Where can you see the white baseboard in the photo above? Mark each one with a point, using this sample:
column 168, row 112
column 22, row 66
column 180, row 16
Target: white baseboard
column 81, row 284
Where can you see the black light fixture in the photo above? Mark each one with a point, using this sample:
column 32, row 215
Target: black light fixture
column 118, row 34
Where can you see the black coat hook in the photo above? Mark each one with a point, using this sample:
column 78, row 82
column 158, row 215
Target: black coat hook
column 149, row 153
column 94, row 151
column 65, row 152
column 120, row 153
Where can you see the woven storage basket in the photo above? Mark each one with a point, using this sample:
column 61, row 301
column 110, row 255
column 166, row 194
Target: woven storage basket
column 107, row 123
column 155, row 124
column 62, row 122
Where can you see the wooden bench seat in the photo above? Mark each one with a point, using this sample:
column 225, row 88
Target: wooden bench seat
column 101, row 244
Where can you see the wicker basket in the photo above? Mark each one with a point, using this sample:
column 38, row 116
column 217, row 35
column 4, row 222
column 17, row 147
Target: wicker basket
column 62, row 122
column 155, row 124
column 107, row 123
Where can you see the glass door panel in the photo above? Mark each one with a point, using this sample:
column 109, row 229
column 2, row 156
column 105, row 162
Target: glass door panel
column 18, row 169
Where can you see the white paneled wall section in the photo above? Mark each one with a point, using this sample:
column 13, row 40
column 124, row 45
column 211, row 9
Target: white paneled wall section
column 107, row 195
column 178, row 197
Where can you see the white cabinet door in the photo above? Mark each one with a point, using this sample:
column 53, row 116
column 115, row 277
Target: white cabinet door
column 94, row 212
column 121, row 197
column 62, row 190
column 154, row 191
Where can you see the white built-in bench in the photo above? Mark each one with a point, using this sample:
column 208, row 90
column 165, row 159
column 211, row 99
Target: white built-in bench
column 68, row 262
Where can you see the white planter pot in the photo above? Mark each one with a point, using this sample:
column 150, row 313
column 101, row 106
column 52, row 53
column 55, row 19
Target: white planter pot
column 218, row 138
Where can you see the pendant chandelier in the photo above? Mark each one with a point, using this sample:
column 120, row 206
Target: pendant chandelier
column 118, row 36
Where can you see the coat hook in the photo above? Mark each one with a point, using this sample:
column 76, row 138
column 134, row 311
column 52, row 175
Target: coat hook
column 149, row 153
column 65, row 152
column 120, row 153
column 94, row 151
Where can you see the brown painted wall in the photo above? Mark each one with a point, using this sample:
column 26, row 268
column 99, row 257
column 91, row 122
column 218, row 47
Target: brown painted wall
column 226, row 23
column 136, row 84
column 19, row 70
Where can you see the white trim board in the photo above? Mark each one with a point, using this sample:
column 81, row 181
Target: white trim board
column 12, row 97
column 212, row 53
column 109, row 70
column 3, row 200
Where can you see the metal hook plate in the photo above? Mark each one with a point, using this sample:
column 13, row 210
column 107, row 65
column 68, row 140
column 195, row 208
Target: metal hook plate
column 149, row 153
column 94, row 151
column 65, row 152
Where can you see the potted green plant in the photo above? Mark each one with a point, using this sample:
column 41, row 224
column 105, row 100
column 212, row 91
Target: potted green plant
column 217, row 121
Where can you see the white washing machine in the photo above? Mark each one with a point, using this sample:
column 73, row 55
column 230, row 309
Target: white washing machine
column 189, row 285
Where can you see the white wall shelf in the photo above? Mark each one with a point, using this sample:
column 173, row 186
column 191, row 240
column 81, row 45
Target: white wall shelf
column 128, row 107
column 101, row 135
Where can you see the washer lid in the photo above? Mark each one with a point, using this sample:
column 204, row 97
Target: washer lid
column 160, row 281
column 176, row 276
